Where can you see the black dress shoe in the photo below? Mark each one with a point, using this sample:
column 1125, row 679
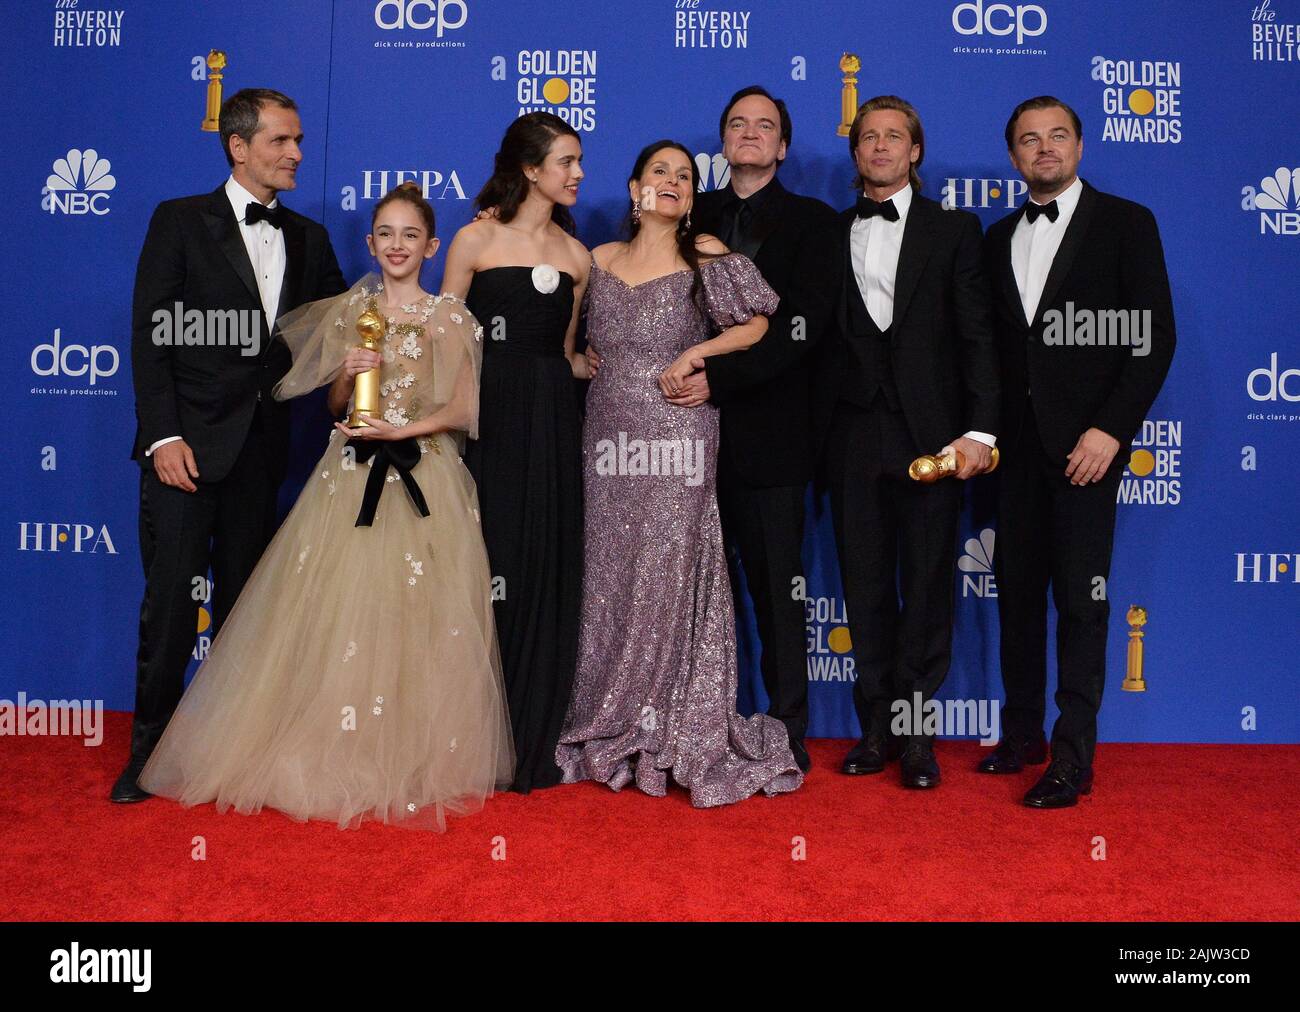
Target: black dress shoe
column 801, row 758
column 920, row 769
column 1013, row 754
column 867, row 756
column 126, row 790
column 1060, row 786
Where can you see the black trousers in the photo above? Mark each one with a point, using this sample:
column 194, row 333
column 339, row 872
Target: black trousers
column 764, row 526
column 896, row 537
column 1052, row 532
column 224, row 525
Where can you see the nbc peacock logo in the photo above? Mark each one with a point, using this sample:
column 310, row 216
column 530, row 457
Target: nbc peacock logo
column 714, row 170
column 976, row 565
column 1277, row 200
column 79, row 183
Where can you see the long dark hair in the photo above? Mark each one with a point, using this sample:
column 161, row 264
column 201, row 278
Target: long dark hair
column 686, row 235
column 527, row 141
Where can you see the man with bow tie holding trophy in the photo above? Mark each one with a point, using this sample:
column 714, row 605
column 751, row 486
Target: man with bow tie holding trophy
column 910, row 371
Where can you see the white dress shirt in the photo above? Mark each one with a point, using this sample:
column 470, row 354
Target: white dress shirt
column 1033, row 247
column 265, row 245
column 874, row 244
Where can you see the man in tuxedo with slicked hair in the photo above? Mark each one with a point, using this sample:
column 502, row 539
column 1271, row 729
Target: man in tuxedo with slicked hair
column 211, row 441
column 1068, row 412
column 911, row 369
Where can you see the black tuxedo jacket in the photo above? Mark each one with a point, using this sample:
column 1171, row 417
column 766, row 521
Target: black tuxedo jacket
column 763, row 392
column 194, row 254
column 1110, row 258
column 942, row 350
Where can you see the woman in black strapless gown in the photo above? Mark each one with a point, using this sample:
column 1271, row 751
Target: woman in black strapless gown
column 523, row 275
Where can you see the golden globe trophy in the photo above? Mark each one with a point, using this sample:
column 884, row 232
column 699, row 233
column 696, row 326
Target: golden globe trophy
column 1133, row 680
column 365, row 395
column 849, row 67
column 931, row 467
column 216, row 63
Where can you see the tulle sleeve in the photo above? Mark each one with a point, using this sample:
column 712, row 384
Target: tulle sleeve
column 319, row 336
column 735, row 292
column 456, row 341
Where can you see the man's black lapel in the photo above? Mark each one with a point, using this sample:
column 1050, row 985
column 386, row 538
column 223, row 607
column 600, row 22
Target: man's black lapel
column 913, row 254
column 1070, row 244
column 220, row 219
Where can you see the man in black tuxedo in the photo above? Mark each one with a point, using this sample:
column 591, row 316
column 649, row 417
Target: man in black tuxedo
column 910, row 369
column 1068, row 409
column 763, row 393
column 211, row 441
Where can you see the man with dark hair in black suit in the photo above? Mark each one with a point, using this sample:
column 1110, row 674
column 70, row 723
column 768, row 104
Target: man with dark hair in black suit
column 211, row 441
column 910, row 370
column 1069, row 409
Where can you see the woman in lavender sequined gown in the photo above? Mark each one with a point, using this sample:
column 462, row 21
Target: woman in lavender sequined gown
column 655, row 691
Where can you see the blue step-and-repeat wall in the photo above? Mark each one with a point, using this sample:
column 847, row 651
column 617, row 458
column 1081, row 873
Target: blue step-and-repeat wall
column 1189, row 108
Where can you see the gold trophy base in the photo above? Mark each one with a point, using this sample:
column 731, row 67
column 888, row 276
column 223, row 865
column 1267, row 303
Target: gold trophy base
column 355, row 421
column 1134, row 685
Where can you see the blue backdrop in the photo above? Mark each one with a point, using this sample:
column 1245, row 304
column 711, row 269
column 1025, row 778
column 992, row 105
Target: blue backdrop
column 1187, row 108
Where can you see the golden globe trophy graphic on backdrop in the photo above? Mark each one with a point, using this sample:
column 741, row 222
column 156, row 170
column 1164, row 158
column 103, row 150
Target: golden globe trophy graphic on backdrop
column 216, row 63
column 849, row 67
column 365, row 395
column 930, row 468
column 1133, row 680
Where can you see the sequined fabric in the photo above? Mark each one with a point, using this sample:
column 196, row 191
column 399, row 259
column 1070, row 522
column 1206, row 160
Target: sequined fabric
column 655, row 691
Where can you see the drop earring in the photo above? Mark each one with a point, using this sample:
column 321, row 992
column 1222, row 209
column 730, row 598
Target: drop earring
column 636, row 211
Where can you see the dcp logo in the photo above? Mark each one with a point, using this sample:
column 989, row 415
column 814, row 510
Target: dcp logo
column 1273, row 384
column 444, row 15
column 1025, row 20
column 74, row 359
column 79, row 184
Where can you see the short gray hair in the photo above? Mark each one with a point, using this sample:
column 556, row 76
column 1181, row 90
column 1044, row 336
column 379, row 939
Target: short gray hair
column 242, row 112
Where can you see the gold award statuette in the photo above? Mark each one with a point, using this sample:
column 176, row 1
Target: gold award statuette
column 365, row 395
column 1133, row 680
column 216, row 63
column 849, row 67
column 932, row 467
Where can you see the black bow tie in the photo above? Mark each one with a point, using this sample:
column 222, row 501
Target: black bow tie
column 255, row 212
column 868, row 208
column 1032, row 211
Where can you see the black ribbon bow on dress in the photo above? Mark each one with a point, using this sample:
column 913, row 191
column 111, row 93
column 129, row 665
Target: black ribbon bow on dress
column 868, row 208
column 402, row 454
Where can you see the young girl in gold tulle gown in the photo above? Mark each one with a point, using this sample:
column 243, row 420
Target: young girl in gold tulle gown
column 358, row 676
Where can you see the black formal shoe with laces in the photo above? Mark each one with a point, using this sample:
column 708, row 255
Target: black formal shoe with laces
column 801, row 757
column 1013, row 754
column 867, row 756
column 127, row 790
column 919, row 767
column 1060, row 786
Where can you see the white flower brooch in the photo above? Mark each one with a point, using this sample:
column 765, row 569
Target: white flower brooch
column 546, row 278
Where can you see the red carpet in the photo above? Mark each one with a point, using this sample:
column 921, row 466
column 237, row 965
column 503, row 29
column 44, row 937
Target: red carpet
column 1192, row 832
